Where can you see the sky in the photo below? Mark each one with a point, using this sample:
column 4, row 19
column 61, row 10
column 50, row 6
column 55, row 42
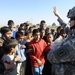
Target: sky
column 33, row 10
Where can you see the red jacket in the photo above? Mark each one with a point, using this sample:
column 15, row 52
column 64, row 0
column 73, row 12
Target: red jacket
column 38, row 51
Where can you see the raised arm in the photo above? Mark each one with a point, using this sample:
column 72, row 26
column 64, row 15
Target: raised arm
column 56, row 13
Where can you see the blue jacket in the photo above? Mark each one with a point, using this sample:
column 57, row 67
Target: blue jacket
column 21, row 52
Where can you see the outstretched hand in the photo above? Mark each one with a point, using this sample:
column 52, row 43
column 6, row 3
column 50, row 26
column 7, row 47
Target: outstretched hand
column 56, row 11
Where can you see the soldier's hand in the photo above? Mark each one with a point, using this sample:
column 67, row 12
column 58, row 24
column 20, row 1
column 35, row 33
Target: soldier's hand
column 55, row 11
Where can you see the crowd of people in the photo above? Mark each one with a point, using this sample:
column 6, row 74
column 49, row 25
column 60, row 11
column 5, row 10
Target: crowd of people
column 38, row 51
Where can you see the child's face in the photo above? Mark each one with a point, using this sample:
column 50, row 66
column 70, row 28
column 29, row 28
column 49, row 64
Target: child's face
column 42, row 34
column 8, row 35
column 20, row 39
column 43, row 25
column 22, row 31
column 37, row 36
column 27, row 27
column 12, row 26
column 50, row 38
column 14, row 49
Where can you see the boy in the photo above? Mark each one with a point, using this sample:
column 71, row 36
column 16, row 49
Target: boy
column 11, row 26
column 10, row 47
column 37, row 55
column 6, row 33
column 42, row 32
column 21, row 64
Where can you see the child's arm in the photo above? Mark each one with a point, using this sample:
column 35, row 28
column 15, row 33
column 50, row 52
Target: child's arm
column 39, row 62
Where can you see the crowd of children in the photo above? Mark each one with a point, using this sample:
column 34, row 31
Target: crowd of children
column 23, row 51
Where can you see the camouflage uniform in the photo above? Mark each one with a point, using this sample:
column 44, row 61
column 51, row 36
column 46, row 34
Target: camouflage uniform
column 63, row 57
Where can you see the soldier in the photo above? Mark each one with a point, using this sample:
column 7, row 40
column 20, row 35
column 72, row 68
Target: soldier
column 63, row 56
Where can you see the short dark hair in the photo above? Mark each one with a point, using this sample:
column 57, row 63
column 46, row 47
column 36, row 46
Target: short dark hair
column 27, row 32
column 19, row 34
column 19, row 29
column 21, row 25
column 10, row 22
column 59, row 27
column 10, row 43
column 43, row 21
column 26, row 24
column 5, row 29
column 35, row 31
column 30, row 28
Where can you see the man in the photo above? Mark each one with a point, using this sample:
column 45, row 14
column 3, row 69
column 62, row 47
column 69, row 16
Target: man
column 63, row 56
